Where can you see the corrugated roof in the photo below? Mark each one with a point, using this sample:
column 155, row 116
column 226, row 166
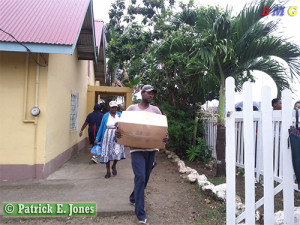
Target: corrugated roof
column 98, row 30
column 100, row 67
column 42, row 21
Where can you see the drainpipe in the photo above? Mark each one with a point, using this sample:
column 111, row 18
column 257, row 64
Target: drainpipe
column 37, row 81
column 26, row 91
column 36, row 118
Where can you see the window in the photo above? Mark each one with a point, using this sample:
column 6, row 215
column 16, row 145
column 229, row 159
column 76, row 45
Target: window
column 74, row 112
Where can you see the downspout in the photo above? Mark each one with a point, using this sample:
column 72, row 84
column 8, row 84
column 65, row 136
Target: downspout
column 37, row 81
column 36, row 118
column 26, row 91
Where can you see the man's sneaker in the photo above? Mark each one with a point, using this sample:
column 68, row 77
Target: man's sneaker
column 154, row 164
column 95, row 159
column 143, row 222
column 132, row 203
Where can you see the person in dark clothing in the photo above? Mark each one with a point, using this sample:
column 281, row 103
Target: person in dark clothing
column 276, row 104
column 94, row 121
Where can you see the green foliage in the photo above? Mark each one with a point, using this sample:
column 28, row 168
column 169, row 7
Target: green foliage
column 236, row 46
column 135, row 100
column 217, row 180
column 136, row 80
column 200, row 152
column 223, row 207
column 180, row 127
column 188, row 54
column 241, row 170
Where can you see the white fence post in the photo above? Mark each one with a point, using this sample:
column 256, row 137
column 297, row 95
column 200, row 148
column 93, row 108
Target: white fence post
column 288, row 182
column 249, row 153
column 230, row 152
column 267, row 141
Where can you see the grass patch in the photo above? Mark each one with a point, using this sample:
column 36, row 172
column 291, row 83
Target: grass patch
column 214, row 213
column 217, row 180
column 202, row 222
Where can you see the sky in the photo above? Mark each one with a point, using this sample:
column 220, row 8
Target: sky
column 289, row 24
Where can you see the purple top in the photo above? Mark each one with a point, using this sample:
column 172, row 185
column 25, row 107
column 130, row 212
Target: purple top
column 151, row 108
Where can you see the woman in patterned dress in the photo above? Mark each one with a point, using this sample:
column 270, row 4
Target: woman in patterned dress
column 111, row 151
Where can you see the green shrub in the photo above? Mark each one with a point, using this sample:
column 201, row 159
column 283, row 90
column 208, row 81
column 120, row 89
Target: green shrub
column 241, row 170
column 200, row 152
column 180, row 128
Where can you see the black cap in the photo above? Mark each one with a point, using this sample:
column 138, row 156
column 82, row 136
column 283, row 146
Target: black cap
column 97, row 107
column 148, row 88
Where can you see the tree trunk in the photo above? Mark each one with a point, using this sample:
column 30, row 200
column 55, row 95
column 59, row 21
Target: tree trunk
column 195, row 129
column 172, row 94
column 220, row 150
column 221, row 135
column 171, row 90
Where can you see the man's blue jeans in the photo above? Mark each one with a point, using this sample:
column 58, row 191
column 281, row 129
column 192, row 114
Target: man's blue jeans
column 142, row 164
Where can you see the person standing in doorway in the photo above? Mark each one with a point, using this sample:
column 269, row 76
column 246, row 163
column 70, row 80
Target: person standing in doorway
column 142, row 160
column 94, row 121
column 111, row 150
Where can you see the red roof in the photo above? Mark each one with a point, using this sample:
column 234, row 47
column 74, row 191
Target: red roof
column 42, row 21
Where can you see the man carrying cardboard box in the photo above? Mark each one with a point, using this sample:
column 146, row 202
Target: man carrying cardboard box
column 142, row 159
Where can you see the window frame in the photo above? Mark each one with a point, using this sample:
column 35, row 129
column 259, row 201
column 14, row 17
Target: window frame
column 74, row 111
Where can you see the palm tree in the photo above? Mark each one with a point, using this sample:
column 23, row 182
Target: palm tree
column 237, row 46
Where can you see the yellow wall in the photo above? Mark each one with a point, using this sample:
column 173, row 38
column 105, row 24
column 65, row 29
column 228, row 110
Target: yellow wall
column 65, row 74
column 22, row 137
column 28, row 140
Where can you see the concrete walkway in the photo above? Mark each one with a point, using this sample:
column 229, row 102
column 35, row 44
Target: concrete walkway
column 77, row 181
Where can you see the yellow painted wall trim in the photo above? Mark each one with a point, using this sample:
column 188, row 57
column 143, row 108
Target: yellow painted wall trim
column 111, row 90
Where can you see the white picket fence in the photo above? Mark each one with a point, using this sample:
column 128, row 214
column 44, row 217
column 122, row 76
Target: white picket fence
column 210, row 129
column 211, row 135
column 258, row 142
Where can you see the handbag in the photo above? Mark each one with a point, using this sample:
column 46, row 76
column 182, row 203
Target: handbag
column 97, row 149
column 294, row 137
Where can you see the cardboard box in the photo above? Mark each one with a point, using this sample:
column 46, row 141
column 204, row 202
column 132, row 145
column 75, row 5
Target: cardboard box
column 142, row 129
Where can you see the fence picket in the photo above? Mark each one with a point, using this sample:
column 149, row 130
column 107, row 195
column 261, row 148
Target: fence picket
column 242, row 143
column 276, row 152
column 238, row 138
column 288, row 183
column 230, row 152
column 259, row 147
column 267, row 141
column 210, row 134
column 249, row 153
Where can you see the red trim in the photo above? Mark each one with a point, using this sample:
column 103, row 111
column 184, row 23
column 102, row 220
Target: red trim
column 94, row 131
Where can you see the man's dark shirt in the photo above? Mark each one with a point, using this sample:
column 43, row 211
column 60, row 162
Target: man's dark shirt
column 94, row 120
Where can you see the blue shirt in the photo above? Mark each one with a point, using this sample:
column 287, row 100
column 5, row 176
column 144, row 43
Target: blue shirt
column 102, row 129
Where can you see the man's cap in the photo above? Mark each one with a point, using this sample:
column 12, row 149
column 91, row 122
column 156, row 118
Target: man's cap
column 148, row 88
column 97, row 107
column 113, row 104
